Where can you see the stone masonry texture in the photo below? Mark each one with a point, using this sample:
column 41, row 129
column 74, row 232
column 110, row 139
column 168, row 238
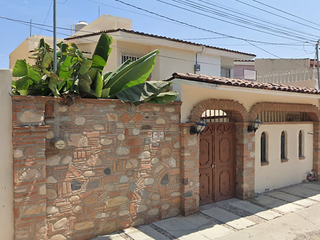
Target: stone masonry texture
column 122, row 165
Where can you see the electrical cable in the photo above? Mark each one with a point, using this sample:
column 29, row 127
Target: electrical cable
column 92, row 32
column 276, row 15
column 187, row 24
column 257, row 26
column 27, row 24
column 46, row 16
column 240, row 13
column 306, row 20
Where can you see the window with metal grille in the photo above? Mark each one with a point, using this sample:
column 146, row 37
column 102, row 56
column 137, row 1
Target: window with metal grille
column 263, row 146
column 274, row 116
column 300, row 144
column 283, row 153
column 125, row 57
column 225, row 72
column 216, row 116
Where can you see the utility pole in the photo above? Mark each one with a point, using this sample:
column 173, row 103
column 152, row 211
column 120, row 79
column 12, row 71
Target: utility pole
column 317, row 53
column 54, row 36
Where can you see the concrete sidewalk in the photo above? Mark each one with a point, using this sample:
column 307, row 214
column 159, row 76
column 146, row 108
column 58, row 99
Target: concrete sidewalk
column 287, row 213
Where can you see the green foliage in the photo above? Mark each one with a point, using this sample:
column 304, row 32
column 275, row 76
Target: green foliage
column 77, row 75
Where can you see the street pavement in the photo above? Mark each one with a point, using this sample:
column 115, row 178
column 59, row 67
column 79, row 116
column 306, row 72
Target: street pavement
column 290, row 213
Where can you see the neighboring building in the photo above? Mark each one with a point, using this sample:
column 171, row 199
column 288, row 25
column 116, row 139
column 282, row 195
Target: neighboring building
column 175, row 55
column 244, row 69
column 295, row 72
column 24, row 50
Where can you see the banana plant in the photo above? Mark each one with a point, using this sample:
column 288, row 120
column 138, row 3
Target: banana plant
column 82, row 76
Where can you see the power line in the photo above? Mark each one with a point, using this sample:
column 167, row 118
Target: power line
column 164, row 56
column 107, row 5
column 187, row 24
column 46, row 16
column 228, row 9
column 40, row 26
column 277, row 15
column 290, row 14
column 257, row 26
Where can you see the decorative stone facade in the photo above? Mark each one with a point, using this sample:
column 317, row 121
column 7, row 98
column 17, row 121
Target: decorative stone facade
column 120, row 168
column 122, row 165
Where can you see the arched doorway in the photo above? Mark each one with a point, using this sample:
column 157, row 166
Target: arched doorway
column 238, row 115
column 217, row 161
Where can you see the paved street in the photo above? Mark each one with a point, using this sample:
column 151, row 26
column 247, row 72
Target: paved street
column 291, row 213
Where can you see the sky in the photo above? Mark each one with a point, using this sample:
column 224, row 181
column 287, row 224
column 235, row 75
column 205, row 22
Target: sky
column 266, row 28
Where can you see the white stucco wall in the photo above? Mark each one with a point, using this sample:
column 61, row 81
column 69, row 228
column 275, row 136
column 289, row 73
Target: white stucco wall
column 6, row 171
column 279, row 174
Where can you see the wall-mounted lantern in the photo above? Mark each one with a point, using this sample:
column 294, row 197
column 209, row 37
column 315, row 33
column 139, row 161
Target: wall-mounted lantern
column 254, row 126
column 58, row 143
column 199, row 127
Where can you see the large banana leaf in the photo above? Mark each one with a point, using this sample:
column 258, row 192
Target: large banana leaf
column 133, row 74
column 102, row 52
column 28, row 76
column 144, row 92
column 65, row 67
column 164, row 98
column 85, row 86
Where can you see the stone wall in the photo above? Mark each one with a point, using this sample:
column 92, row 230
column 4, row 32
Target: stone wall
column 6, row 183
column 121, row 166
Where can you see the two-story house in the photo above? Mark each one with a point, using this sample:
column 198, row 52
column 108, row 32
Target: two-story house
column 175, row 55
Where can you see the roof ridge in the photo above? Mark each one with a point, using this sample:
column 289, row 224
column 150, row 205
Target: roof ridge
column 157, row 36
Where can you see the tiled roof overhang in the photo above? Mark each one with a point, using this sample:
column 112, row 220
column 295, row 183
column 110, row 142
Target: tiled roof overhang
column 243, row 83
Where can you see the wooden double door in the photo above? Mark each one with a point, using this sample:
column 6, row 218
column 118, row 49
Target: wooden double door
column 217, row 162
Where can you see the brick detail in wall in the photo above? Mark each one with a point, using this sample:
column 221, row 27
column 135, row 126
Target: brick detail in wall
column 312, row 110
column 238, row 111
column 245, row 142
column 121, row 166
column 316, row 148
column 29, row 171
column 245, row 161
column 189, row 170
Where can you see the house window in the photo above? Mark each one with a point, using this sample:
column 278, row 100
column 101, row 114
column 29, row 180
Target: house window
column 300, row 144
column 125, row 57
column 263, row 148
column 283, row 116
column 225, row 72
column 283, row 154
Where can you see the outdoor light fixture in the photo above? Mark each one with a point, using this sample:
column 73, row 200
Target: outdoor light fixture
column 200, row 126
column 254, row 125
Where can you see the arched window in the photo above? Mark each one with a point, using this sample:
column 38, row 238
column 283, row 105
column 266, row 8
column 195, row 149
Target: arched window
column 263, row 148
column 283, row 145
column 300, row 144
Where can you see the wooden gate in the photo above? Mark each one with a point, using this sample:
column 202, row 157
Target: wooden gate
column 217, row 162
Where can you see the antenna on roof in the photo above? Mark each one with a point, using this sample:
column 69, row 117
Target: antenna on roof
column 30, row 27
column 99, row 9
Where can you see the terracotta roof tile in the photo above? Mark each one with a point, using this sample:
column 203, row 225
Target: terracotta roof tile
column 243, row 83
column 155, row 36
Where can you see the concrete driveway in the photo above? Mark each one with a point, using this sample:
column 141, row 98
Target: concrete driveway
column 288, row 213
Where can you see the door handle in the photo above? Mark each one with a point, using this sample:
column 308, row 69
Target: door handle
column 212, row 166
